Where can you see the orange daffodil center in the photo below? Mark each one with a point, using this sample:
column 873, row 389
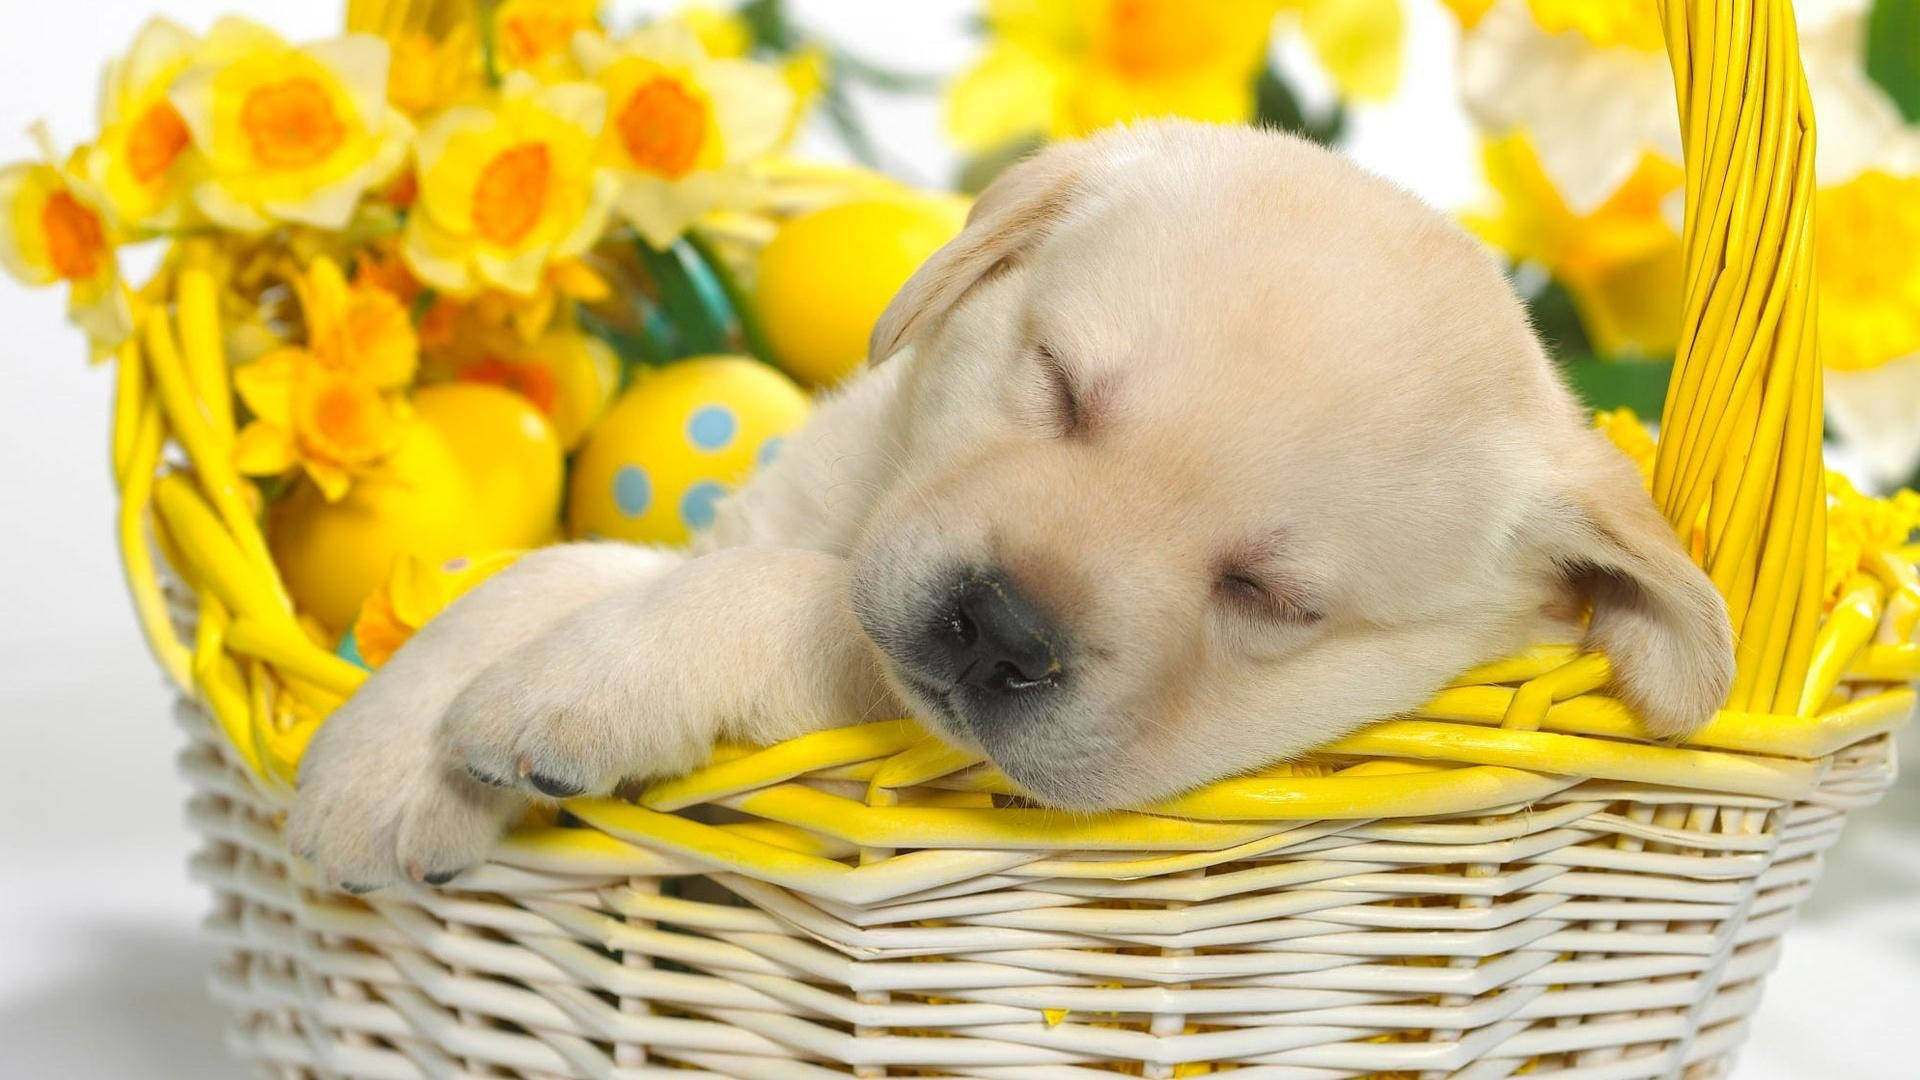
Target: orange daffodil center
column 1065, row 69
column 511, row 192
column 663, row 125
column 76, row 245
column 291, row 124
column 155, row 141
column 288, row 133
column 53, row 230
column 143, row 164
column 535, row 34
column 1147, row 39
column 681, row 126
column 335, row 405
column 509, row 187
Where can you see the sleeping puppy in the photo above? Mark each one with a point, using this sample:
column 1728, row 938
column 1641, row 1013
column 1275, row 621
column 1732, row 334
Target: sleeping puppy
column 1198, row 448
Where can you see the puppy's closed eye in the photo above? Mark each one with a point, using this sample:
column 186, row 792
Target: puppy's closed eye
column 1262, row 596
column 1065, row 402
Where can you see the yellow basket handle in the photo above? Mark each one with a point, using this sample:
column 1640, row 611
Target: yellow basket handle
column 1739, row 470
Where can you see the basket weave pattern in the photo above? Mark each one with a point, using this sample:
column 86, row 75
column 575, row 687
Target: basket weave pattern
column 1603, row 929
column 1507, row 881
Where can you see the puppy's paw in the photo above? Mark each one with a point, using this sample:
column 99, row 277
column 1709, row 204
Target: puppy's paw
column 379, row 800
column 580, row 710
column 377, row 805
column 523, row 726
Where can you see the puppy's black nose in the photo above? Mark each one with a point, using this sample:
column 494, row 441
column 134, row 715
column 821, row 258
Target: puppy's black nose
column 995, row 638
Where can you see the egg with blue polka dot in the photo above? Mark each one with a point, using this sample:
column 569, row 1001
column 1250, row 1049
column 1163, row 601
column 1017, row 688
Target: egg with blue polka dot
column 675, row 443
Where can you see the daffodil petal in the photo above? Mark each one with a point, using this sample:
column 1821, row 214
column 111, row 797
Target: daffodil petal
column 518, row 273
column 158, row 47
column 361, row 61
column 265, row 386
column 226, row 211
column 263, row 449
column 752, row 103
column 1359, row 42
column 101, row 310
column 435, row 258
column 581, row 104
column 1009, row 94
column 332, row 480
column 22, row 193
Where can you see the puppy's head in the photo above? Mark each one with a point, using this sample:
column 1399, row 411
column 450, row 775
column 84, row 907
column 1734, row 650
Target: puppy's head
column 1214, row 448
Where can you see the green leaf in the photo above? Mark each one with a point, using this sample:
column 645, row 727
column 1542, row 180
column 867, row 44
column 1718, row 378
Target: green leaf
column 752, row 333
column 771, row 28
column 1276, row 105
column 1554, row 316
column 1640, row 385
column 1893, row 52
column 979, row 171
column 693, row 307
column 881, row 77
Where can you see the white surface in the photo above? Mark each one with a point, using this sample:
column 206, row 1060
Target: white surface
column 101, row 968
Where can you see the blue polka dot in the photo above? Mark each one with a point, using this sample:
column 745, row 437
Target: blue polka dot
column 711, row 427
column 696, row 506
column 768, row 451
column 632, row 491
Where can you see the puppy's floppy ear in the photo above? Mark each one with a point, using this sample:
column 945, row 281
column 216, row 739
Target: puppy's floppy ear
column 1009, row 217
column 1656, row 615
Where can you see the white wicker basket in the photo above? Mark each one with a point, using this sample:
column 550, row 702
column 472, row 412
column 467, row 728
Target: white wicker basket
column 1605, row 930
column 1508, row 881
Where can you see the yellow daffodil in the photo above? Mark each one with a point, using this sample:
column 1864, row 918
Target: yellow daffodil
column 725, row 35
column 418, row 590
column 681, row 127
column 1634, row 24
column 1867, row 246
column 451, row 320
column 536, row 36
column 505, row 189
column 1620, row 261
column 1583, row 81
column 569, row 376
column 437, row 53
column 1067, row 68
column 1867, row 242
column 431, row 72
column 1359, row 42
column 332, row 406
column 1627, row 433
column 288, row 133
column 143, row 163
column 1858, row 525
column 52, row 230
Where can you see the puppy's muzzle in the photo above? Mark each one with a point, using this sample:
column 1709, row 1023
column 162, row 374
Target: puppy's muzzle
column 996, row 649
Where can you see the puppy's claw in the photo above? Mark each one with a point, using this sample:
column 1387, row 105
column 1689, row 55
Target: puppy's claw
column 357, row 888
column 555, row 787
column 482, row 776
column 440, row 877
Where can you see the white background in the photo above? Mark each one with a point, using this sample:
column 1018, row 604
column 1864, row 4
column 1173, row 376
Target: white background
column 101, row 968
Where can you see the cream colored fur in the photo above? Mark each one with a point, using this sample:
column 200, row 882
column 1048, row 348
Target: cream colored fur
column 1283, row 371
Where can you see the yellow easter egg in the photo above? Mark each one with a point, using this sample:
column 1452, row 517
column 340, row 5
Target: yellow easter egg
column 826, row 276
column 680, row 438
column 511, row 455
column 568, row 375
column 417, row 502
